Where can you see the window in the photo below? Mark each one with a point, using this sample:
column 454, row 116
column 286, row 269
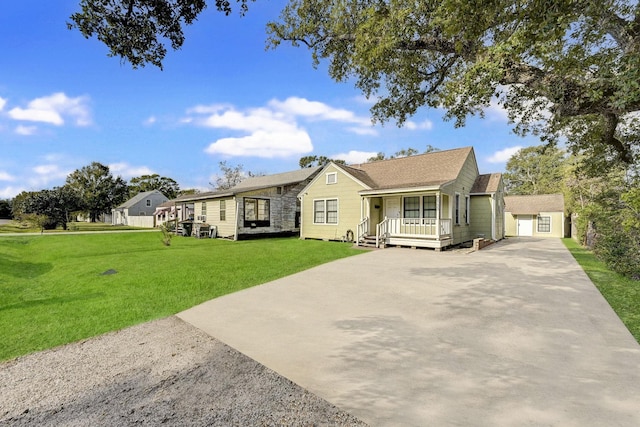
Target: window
column 544, row 224
column 457, row 209
column 148, row 202
column 332, row 211
column 332, row 177
column 223, row 210
column 411, row 207
column 256, row 213
column 325, row 211
column 467, row 210
column 203, row 209
column 278, row 190
column 429, row 207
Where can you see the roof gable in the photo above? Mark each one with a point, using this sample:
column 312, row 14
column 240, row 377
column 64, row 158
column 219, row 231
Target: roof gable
column 140, row 197
column 534, row 204
column 422, row 170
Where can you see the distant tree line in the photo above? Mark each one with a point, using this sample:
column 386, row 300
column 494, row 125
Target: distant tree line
column 90, row 191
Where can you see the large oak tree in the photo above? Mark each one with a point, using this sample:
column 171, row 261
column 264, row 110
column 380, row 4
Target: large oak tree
column 96, row 189
column 562, row 69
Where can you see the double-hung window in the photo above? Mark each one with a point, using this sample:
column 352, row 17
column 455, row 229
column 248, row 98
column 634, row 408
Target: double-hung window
column 457, row 209
column 467, row 210
column 411, row 208
column 325, row 211
column 223, row 210
column 429, row 207
column 544, row 224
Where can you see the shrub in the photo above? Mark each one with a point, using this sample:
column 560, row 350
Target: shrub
column 620, row 250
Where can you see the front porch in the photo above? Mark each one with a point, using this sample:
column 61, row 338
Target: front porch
column 416, row 219
column 415, row 232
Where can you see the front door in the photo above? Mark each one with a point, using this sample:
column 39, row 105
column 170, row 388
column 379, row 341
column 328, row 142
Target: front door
column 525, row 225
column 392, row 207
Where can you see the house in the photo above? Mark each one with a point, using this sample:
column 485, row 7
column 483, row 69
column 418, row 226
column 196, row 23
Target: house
column 258, row 206
column 431, row 200
column 139, row 210
column 536, row 215
column 172, row 210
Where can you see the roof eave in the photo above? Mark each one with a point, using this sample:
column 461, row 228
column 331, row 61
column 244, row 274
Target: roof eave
column 386, row 191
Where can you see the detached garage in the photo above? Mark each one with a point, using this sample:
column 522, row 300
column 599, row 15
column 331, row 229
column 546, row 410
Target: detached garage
column 535, row 216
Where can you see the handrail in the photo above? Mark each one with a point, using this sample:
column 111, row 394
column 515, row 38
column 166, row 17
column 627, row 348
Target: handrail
column 362, row 230
column 382, row 229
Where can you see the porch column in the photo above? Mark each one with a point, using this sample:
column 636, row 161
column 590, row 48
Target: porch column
column 438, row 195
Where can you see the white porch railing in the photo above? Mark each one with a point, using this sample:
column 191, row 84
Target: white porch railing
column 431, row 228
column 362, row 230
column 382, row 231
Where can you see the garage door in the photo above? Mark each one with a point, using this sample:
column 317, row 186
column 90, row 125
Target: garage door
column 525, row 225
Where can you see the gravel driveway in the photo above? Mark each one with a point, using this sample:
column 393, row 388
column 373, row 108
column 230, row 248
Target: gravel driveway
column 162, row 372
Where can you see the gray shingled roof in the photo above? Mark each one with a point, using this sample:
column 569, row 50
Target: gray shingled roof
column 278, row 179
column 258, row 182
column 534, row 204
column 486, row 183
column 423, row 170
column 138, row 197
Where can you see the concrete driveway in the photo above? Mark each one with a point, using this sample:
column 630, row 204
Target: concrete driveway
column 513, row 335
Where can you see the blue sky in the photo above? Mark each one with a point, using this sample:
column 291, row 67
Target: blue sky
column 65, row 104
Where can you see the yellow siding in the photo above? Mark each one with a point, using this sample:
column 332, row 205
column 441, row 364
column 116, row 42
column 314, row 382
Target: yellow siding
column 462, row 232
column 481, row 216
column 349, row 208
column 227, row 227
column 510, row 224
column 557, row 222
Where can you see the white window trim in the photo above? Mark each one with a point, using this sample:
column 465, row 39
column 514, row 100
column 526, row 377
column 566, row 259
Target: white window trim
column 335, row 178
column 550, row 223
column 456, row 209
column 324, row 200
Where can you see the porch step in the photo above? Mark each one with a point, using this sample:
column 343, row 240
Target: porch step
column 368, row 242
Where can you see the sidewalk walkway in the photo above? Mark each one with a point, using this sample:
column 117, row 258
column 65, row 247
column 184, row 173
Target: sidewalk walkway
column 513, row 335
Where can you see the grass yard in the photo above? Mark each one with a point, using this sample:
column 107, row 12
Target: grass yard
column 622, row 294
column 53, row 290
column 24, row 227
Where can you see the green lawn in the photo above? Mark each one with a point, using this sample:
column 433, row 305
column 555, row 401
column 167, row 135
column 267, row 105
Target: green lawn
column 23, row 227
column 622, row 294
column 53, row 290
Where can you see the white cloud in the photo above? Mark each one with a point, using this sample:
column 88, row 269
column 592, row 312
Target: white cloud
column 354, row 156
column 10, row 192
column 317, row 110
column 503, row 156
column 363, row 131
column 264, row 144
column 151, row 120
column 496, row 112
column 4, row 176
column 26, row 130
column 273, row 130
column 3, row 102
column 126, row 171
column 424, row 125
column 53, row 109
column 46, row 173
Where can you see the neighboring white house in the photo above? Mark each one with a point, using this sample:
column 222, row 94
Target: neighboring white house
column 139, row 210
